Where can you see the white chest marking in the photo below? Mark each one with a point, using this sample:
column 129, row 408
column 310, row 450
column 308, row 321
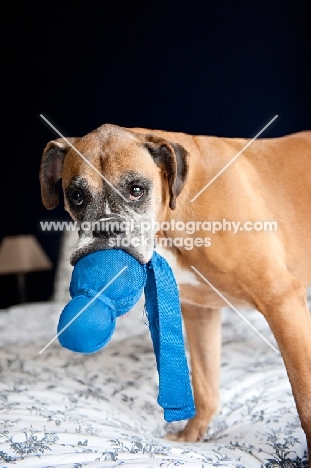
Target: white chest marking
column 182, row 275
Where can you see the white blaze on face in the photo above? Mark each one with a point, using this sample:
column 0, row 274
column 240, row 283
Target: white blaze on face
column 107, row 209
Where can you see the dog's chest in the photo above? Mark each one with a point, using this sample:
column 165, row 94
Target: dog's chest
column 182, row 275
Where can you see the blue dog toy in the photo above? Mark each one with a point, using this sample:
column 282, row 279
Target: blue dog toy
column 107, row 284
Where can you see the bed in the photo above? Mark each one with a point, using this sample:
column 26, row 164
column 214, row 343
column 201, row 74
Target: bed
column 62, row 409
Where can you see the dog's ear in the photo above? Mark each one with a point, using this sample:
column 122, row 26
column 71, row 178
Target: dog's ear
column 51, row 169
column 175, row 159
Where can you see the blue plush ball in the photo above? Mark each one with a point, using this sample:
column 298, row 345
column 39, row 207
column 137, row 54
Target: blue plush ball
column 104, row 285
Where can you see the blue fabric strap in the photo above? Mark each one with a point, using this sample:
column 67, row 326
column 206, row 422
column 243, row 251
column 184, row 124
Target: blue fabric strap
column 165, row 324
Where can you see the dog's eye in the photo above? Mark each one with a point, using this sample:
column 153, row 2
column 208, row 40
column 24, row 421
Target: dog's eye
column 76, row 198
column 136, row 192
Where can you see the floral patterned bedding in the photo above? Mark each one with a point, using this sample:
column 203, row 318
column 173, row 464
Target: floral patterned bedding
column 61, row 409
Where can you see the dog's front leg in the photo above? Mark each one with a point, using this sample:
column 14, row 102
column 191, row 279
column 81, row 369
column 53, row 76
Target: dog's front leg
column 290, row 321
column 203, row 329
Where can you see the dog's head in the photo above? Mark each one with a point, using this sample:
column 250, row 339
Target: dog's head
column 116, row 183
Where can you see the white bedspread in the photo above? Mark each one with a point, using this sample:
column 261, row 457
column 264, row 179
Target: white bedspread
column 61, row 409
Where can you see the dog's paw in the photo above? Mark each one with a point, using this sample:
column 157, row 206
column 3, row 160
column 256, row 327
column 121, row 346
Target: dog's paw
column 193, row 432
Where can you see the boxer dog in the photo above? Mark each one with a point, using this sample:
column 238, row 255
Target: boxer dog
column 144, row 175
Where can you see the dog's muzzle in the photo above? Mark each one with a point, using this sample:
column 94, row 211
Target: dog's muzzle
column 98, row 235
column 113, row 232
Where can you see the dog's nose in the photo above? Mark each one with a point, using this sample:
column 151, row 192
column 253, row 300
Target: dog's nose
column 101, row 234
column 108, row 227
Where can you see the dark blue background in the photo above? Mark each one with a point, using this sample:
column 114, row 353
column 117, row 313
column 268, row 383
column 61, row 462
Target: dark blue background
column 202, row 67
